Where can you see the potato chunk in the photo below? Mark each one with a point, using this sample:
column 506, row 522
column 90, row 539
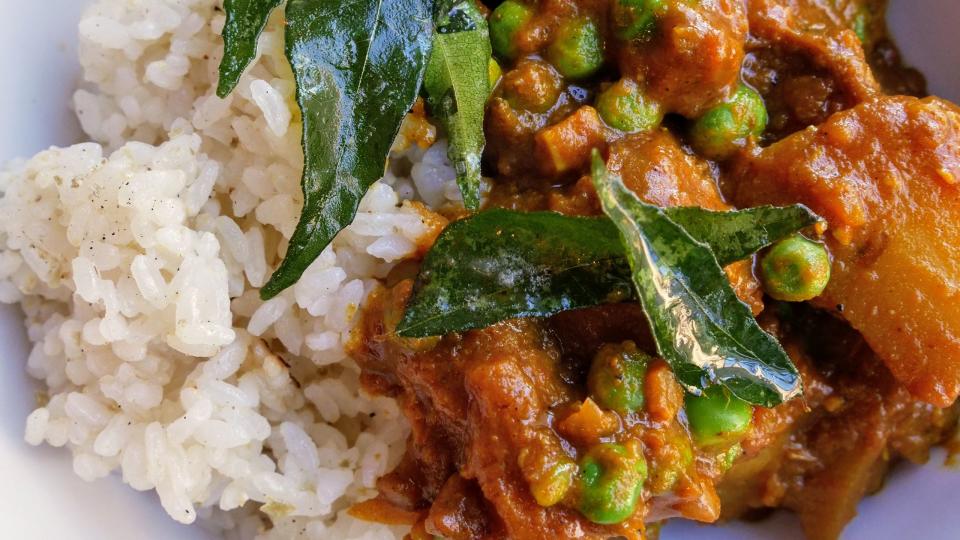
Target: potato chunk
column 884, row 175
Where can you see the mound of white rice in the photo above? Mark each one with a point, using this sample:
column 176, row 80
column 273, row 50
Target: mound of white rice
column 138, row 266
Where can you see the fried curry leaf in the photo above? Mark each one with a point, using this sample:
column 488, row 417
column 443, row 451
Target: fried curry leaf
column 358, row 66
column 700, row 326
column 503, row 264
column 457, row 86
column 245, row 22
column 736, row 235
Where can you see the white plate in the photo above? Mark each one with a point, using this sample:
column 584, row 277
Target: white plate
column 40, row 498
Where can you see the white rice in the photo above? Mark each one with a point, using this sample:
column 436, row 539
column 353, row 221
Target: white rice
column 138, row 266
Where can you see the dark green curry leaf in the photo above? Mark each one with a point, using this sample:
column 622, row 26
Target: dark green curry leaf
column 502, row 264
column 358, row 66
column 245, row 22
column 457, row 86
column 452, row 16
column 736, row 235
column 700, row 326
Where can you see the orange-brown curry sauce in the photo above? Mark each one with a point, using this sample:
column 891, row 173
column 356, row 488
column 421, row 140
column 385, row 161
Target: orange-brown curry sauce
column 495, row 411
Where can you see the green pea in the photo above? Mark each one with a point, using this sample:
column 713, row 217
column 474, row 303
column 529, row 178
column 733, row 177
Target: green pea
column 533, row 85
column 576, row 49
column 611, row 481
column 616, row 377
column 795, row 269
column 717, row 417
column 505, row 22
column 623, row 106
column 666, row 475
column 553, row 486
column 862, row 20
column 729, row 456
column 722, row 129
column 636, row 19
column 494, row 73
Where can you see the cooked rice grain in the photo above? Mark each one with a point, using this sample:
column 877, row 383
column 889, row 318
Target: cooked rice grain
column 137, row 260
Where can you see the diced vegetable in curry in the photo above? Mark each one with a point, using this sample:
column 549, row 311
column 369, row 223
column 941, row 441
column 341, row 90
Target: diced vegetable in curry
column 609, row 342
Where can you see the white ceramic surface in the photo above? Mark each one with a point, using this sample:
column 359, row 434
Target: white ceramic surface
column 40, row 498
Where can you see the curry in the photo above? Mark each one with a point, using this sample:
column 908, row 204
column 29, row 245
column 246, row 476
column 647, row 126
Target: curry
column 574, row 425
